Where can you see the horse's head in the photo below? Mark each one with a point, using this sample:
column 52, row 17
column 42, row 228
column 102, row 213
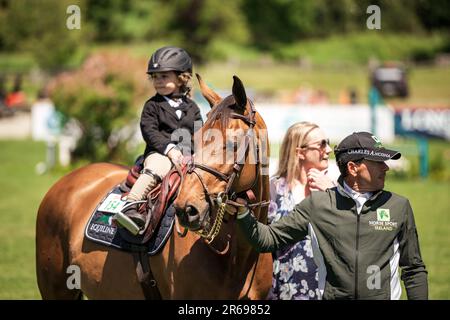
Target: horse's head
column 230, row 152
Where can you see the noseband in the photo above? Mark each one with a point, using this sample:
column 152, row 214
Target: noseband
column 228, row 196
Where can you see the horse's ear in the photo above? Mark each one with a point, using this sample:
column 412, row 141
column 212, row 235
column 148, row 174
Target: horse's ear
column 239, row 93
column 212, row 97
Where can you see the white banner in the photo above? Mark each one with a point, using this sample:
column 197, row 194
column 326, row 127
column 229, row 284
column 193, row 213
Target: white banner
column 338, row 121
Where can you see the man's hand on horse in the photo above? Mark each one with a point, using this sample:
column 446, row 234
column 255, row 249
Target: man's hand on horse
column 240, row 209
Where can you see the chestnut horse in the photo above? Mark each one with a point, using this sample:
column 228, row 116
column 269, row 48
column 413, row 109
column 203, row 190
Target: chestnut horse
column 186, row 268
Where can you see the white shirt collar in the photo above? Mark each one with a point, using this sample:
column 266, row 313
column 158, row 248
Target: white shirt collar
column 359, row 198
column 355, row 194
column 173, row 103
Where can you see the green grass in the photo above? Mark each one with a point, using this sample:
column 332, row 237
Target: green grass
column 16, row 62
column 358, row 48
column 336, row 63
column 22, row 191
column 428, row 85
column 431, row 206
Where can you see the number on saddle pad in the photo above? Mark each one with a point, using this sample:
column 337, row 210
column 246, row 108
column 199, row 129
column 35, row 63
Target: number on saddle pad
column 113, row 203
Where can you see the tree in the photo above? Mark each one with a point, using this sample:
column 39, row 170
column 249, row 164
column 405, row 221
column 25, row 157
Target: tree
column 434, row 14
column 276, row 22
column 201, row 23
column 40, row 27
column 124, row 20
column 101, row 96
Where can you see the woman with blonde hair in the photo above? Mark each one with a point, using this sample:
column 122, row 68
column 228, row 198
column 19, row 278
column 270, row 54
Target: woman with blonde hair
column 302, row 168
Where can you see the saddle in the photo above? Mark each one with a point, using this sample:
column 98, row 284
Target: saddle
column 158, row 200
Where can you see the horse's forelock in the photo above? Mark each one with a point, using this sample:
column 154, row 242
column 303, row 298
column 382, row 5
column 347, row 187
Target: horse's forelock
column 221, row 111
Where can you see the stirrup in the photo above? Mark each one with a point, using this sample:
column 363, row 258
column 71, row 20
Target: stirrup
column 125, row 221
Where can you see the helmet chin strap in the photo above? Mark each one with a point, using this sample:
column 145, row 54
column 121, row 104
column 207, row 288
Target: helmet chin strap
column 178, row 95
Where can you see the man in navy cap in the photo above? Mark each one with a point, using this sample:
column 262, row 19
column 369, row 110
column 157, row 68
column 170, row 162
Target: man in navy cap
column 361, row 234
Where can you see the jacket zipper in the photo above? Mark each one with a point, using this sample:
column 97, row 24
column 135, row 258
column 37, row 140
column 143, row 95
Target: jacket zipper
column 357, row 253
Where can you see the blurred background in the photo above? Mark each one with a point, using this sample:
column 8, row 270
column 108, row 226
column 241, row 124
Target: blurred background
column 73, row 83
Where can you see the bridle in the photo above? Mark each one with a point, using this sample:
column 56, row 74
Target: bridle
column 229, row 195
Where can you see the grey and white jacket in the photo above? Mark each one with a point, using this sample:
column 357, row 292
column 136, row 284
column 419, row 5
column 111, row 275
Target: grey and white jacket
column 358, row 255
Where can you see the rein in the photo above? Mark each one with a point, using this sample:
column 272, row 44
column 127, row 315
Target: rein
column 224, row 198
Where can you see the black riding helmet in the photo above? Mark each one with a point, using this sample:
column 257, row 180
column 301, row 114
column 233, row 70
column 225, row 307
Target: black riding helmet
column 170, row 59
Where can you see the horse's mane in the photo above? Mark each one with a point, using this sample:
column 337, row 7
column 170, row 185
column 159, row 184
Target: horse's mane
column 223, row 111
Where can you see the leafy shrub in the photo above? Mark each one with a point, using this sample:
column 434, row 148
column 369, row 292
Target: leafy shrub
column 102, row 96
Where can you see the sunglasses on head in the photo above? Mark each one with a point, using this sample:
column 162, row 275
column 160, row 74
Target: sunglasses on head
column 323, row 143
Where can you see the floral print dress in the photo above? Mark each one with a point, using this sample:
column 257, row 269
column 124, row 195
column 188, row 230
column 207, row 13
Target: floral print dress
column 295, row 274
